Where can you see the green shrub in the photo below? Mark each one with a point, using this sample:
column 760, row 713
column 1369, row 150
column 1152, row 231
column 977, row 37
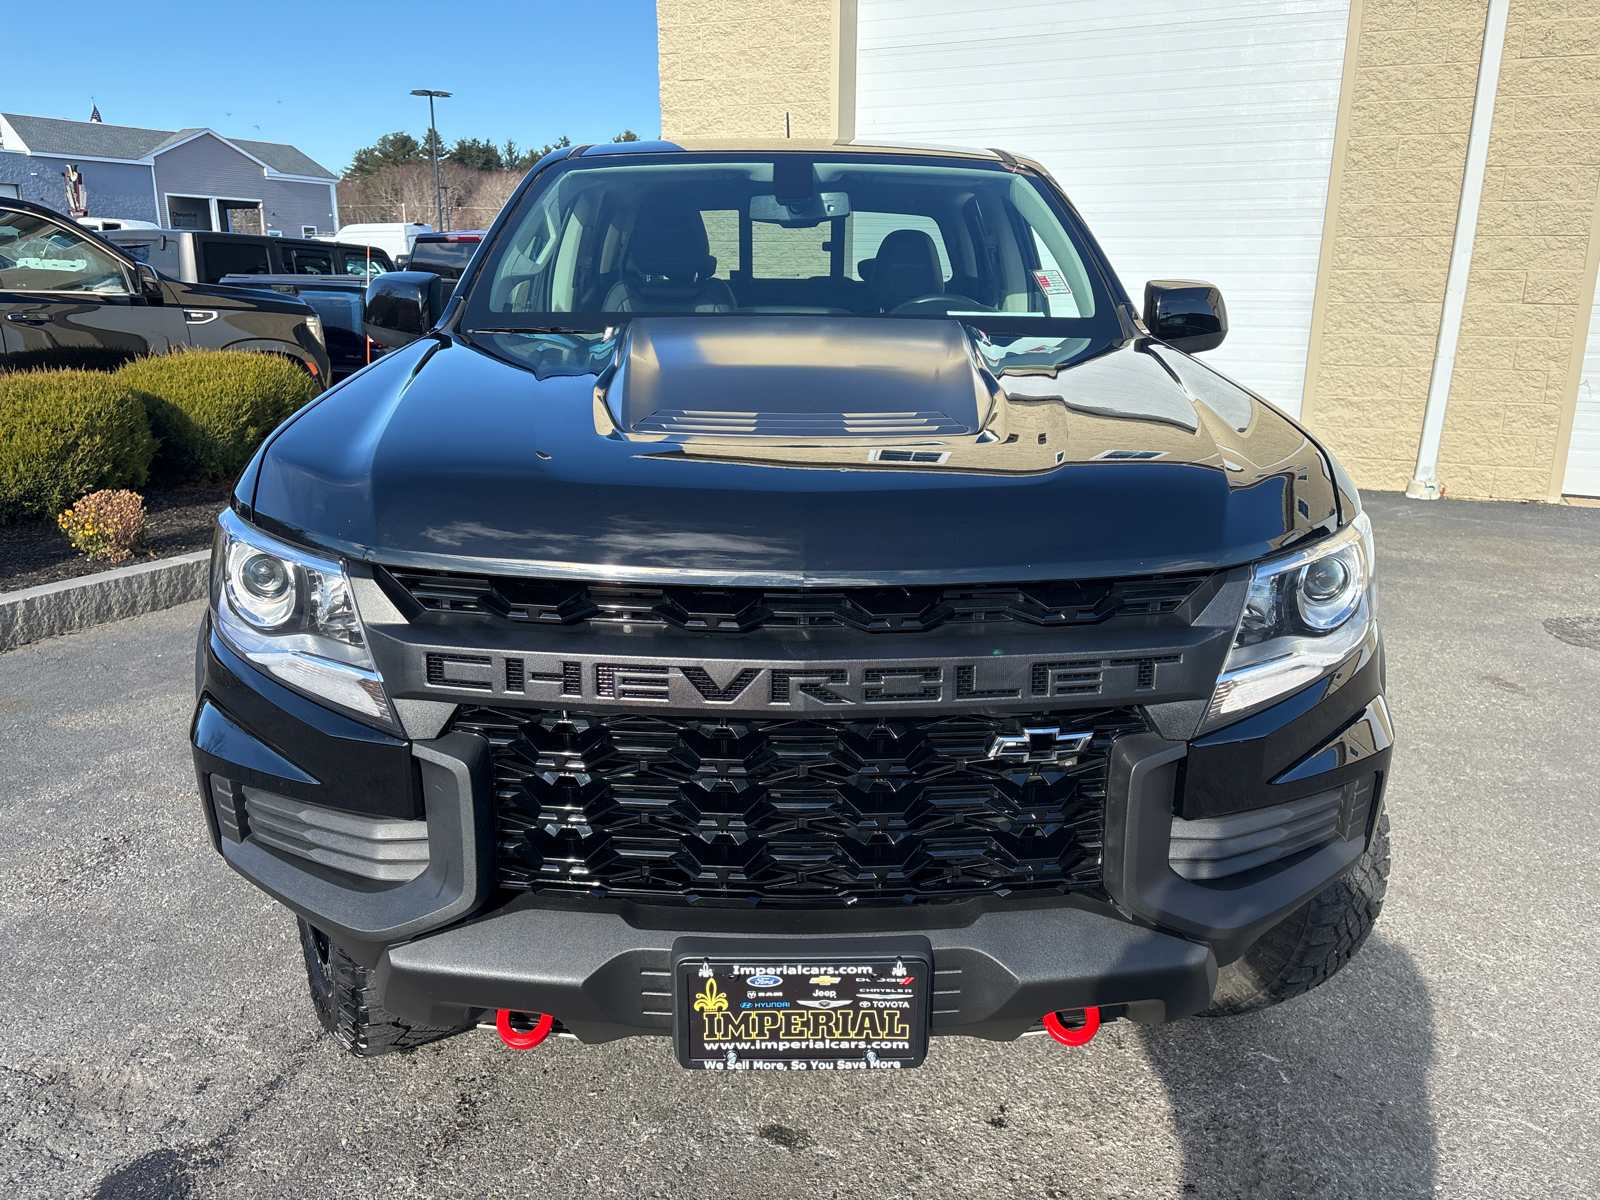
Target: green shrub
column 210, row 409
column 66, row 433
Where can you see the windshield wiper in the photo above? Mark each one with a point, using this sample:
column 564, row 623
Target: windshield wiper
column 534, row 329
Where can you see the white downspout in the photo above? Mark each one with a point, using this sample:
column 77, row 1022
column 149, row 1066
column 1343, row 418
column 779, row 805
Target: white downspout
column 1425, row 483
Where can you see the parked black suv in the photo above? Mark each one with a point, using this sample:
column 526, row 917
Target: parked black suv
column 70, row 298
column 791, row 602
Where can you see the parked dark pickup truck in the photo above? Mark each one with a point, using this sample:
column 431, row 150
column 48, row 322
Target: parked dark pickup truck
column 338, row 300
column 877, row 629
column 446, row 255
column 199, row 256
column 70, row 298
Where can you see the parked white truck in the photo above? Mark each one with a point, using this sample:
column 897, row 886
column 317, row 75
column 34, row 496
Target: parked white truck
column 394, row 237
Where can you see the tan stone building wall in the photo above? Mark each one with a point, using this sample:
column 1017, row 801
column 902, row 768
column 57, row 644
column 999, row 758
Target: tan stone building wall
column 735, row 67
column 1411, row 72
column 1533, row 265
column 731, row 69
column 1411, row 75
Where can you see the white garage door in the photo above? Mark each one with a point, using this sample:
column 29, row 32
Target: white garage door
column 1195, row 138
column 1583, row 459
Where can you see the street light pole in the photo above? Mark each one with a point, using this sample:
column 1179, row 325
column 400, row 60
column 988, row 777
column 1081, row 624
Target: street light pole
column 433, row 149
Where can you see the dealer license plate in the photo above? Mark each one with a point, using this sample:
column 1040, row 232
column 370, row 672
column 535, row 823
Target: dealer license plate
column 766, row 1011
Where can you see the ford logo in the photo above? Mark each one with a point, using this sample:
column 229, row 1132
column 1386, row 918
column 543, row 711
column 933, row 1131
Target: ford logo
column 763, row 981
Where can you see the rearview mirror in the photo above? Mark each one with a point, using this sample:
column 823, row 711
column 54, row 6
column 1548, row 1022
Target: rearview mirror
column 401, row 306
column 801, row 213
column 1185, row 314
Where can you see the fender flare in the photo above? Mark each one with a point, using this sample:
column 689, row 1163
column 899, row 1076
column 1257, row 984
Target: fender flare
column 285, row 349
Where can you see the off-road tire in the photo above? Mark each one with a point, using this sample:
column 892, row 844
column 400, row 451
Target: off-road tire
column 1308, row 947
column 347, row 1006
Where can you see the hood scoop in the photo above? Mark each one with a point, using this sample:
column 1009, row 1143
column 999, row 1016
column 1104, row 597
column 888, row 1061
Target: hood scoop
column 796, row 378
column 712, row 423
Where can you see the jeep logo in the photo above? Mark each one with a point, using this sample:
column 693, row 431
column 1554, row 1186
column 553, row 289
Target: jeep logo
column 786, row 686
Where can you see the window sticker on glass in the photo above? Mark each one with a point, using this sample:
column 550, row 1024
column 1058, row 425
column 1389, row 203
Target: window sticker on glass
column 1053, row 282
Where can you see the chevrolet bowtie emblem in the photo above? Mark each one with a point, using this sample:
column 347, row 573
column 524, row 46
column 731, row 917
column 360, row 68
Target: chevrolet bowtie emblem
column 1047, row 744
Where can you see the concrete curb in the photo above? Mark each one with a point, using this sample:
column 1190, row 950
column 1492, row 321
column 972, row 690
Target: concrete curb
column 56, row 608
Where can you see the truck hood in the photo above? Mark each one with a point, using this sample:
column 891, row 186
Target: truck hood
column 791, row 451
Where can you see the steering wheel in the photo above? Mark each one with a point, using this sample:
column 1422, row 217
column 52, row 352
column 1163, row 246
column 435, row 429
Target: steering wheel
column 934, row 299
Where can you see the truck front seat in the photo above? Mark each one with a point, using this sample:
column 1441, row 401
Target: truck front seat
column 669, row 267
column 907, row 266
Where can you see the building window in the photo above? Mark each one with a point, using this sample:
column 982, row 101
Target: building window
column 10, row 191
column 189, row 212
column 308, row 231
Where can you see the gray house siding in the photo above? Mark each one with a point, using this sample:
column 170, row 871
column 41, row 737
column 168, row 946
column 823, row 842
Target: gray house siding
column 134, row 173
column 208, row 166
column 291, row 206
column 115, row 189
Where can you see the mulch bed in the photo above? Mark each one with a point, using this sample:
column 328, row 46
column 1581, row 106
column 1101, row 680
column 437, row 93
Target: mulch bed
column 180, row 520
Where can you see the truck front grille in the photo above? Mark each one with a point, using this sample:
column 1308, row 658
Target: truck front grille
column 626, row 607
column 806, row 813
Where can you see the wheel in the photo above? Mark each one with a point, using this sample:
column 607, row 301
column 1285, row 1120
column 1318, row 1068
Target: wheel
column 1308, row 947
column 341, row 990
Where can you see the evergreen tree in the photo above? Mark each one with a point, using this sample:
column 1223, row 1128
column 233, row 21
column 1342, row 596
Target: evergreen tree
column 391, row 150
column 514, row 159
column 477, row 155
column 560, row 144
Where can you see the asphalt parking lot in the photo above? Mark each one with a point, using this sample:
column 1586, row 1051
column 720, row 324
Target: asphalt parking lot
column 157, row 1040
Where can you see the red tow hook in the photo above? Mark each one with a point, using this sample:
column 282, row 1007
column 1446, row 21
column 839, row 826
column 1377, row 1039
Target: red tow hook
column 1073, row 1037
column 523, row 1039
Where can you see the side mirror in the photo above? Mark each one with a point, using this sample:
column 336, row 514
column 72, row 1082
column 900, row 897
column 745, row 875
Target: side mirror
column 149, row 282
column 402, row 306
column 1186, row 315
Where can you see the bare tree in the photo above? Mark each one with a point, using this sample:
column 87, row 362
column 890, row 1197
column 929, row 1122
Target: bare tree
column 402, row 193
column 494, row 188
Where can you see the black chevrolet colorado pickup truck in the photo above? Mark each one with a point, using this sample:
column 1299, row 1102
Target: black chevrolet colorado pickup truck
column 788, row 600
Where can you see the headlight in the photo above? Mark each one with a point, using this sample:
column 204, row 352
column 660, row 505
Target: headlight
column 1306, row 612
column 292, row 614
column 314, row 324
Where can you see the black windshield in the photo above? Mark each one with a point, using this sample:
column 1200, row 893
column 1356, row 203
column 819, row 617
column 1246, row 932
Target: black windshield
column 852, row 235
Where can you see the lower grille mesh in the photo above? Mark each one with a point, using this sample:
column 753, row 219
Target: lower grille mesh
column 799, row 812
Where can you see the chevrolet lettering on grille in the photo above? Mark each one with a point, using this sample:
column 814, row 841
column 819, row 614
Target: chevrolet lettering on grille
column 788, row 686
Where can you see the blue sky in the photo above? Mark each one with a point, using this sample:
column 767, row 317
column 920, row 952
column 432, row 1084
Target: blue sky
column 331, row 78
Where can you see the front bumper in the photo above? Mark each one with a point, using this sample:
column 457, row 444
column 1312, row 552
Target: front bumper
column 446, row 944
column 606, row 978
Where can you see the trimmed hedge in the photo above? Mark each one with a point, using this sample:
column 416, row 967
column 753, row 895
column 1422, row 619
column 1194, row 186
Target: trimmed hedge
column 211, row 409
column 66, row 433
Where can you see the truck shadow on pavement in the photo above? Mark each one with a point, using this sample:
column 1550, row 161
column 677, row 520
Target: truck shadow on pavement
column 1325, row 1095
